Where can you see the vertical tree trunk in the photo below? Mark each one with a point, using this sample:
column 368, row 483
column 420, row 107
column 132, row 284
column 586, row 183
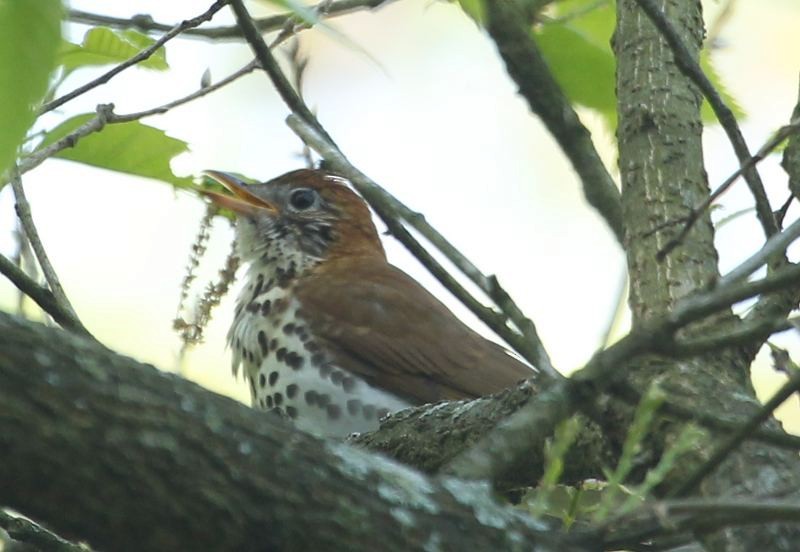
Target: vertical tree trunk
column 661, row 166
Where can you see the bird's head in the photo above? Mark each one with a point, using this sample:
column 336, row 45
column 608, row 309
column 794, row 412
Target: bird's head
column 310, row 214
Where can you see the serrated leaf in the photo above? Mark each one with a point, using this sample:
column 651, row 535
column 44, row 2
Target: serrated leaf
column 29, row 36
column 104, row 46
column 583, row 69
column 130, row 148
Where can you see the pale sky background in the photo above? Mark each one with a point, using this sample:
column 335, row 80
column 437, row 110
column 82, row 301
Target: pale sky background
column 434, row 119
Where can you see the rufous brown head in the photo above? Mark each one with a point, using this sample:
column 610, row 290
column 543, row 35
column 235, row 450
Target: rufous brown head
column 311, row 213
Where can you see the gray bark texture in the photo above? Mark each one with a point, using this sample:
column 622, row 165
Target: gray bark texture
column 663, row 177
column 104, row 449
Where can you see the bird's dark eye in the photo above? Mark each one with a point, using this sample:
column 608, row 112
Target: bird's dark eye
column 302, row 198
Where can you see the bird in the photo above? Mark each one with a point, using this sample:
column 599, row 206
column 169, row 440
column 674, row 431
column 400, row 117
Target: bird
column 325, row 329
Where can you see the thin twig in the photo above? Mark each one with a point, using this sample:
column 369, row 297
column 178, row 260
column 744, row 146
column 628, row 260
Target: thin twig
column 509, row 26
column 37, row 537
column 270, row 66
column 23, row 210
column 299, row 63
column 689, row 220
column 249, row 68
column 692, row 70
column 775, row 247
column 145, row 23
column 693, row 515
column 674, row 407
column 733, row 441
column 141, row 56
column 506, row 447
column 42, row 296
column 389, row 209
column 748, row 331
column 24, row 258
column 105, row 115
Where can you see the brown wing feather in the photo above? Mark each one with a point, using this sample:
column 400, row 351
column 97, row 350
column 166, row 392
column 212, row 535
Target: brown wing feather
column 389, row 330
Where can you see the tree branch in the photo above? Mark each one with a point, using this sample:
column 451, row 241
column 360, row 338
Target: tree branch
column 201, row 471
column 510, row 29
column 141, row 56
column 145, row 23
column 733, row 441
column 64, row 309
column 389, row 209
column 671, row 517
column 505, row 449
column 31, row 534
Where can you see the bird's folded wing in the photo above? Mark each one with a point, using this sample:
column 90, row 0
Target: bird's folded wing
column 379, row 323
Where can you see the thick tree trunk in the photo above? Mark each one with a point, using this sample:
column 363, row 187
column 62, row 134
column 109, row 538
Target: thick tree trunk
column 102, row 448
column 663, row 177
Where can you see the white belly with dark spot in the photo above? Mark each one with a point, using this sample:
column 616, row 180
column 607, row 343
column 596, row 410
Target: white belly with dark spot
column 288, row 369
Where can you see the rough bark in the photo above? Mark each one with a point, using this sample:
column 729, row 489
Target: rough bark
column 662, row 172
column 429, row 437
column 105, row 449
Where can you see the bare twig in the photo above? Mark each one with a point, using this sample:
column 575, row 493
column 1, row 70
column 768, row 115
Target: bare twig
column 687, row 64
column 42, row 296
column 249, row 68
column 694, row 515
column 510, row 29
column 105, row 115
column 722, row 18
column 299, row 63
column 141, row 56
column 23, row 209
column 145, row 23
column 24, row 258
column 105, row 112
column 270, row 66
column 748, row 331
column 389, row 209
column 775, row 247
column 507, row 446
column 34, row 535
column 674, row 407
column 689, row 221
column 733, row 441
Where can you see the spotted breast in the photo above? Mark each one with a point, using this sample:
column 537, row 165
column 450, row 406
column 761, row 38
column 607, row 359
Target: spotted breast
column 288, row 369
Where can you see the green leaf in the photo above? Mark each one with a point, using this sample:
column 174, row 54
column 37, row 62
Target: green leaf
column 30, row 32
column 302, row 11
column 583, row 69
column 104, row 46
column 595, row 19
column 475, row 9
column 131, row 148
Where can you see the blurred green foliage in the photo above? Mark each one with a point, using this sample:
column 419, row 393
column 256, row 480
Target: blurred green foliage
column 30, row 33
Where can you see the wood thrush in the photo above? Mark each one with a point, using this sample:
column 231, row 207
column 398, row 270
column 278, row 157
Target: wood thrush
column 325, row 328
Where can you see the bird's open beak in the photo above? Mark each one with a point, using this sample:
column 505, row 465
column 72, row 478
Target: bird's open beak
column 243, row 201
